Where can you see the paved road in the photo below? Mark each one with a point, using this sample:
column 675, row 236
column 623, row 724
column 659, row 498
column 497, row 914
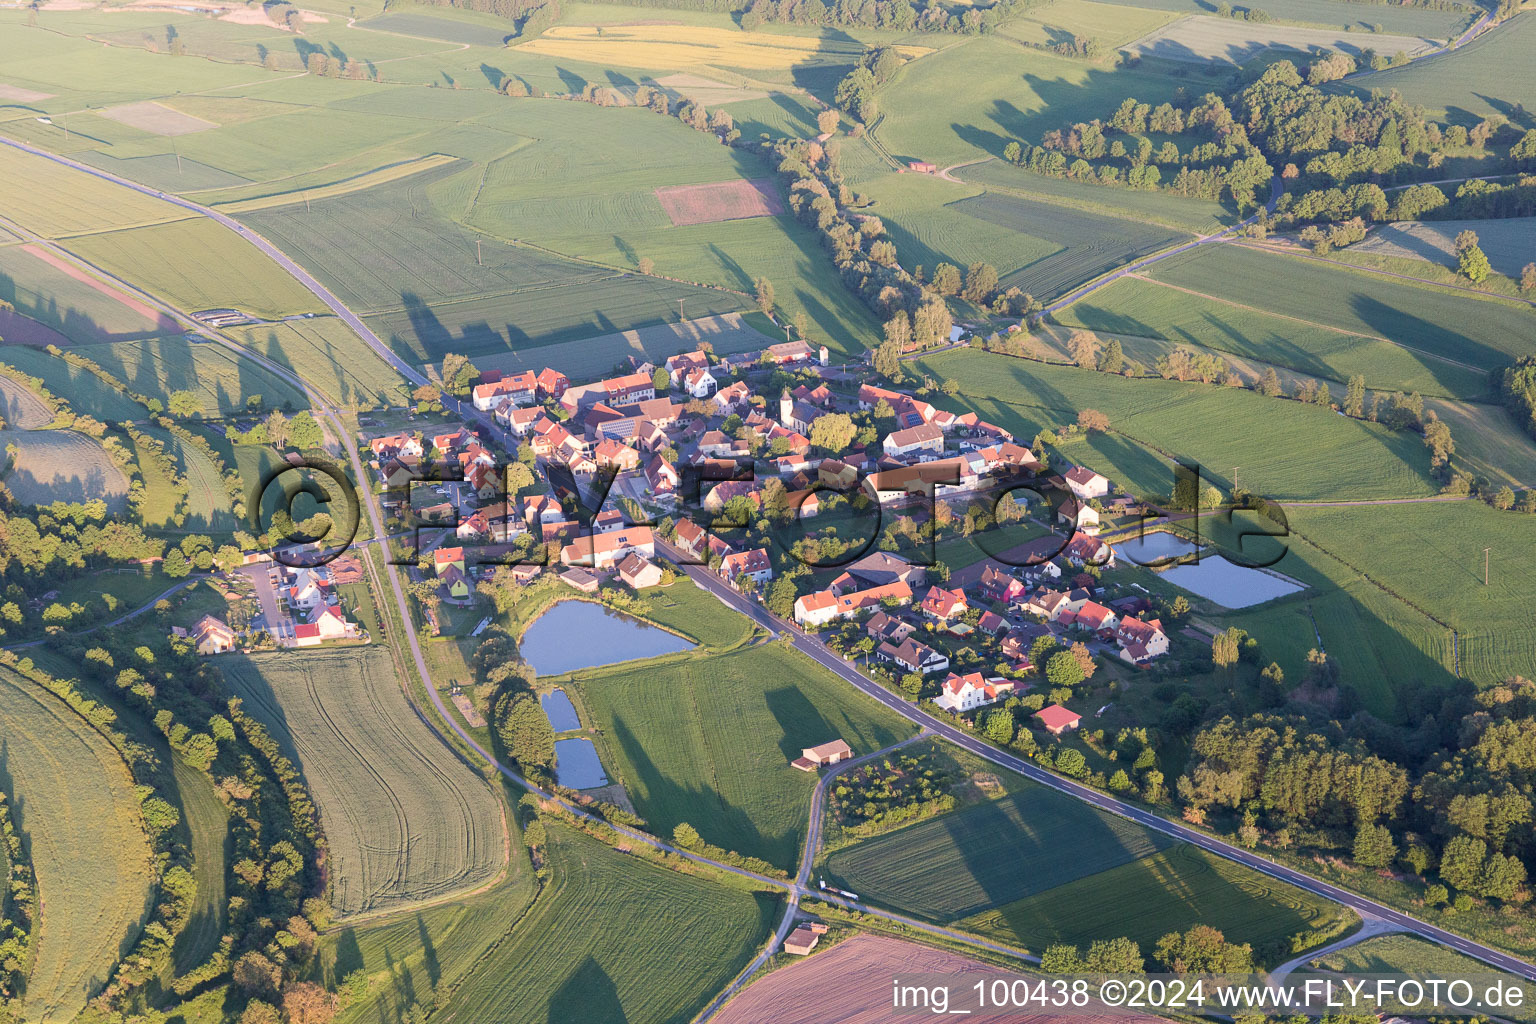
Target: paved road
column 812, row 646
column 140, row 610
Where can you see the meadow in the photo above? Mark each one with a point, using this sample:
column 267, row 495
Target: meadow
column 1169, row 891
column 57, row 201
column 208, row 504
column 665, row 45
column 405, row 820
column 1391, row 17
column 74, row 801
column 220, row 379
column 21, row 408
column 1505, row 242
column 613, row 940
column 85, row 391
column 1112, row 24
column 328, row 356
column 989, row 854
column 1009, row 93
column 1471, row 83
column 207, row 821
column 1200, row 216
column 198, row 264
column 708, row 741
column 1286, row 450
column 1415, row 957
column 1038, row 246
column 434, row 26
column 62, row 465
column 1202, row 38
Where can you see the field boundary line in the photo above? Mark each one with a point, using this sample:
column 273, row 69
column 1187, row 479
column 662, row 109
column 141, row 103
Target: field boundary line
column 1308, row 323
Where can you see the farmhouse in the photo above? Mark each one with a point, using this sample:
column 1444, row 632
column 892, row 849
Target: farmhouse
column 971, row 691
column 1058, row 719
column 212, row 635
column 1085, row 483
column 825, row 605
column 787, row 352
column 944, row 476
column 639, row 573
column 827, row 753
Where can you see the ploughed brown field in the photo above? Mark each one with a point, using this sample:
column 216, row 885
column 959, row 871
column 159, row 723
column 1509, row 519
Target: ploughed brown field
column 721, row 200
column 851, row 984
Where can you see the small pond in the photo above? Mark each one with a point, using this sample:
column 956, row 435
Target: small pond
column 1154, row 549
column 577, row 766
column 1231, row 586
column 560, row 711
column 573, row 635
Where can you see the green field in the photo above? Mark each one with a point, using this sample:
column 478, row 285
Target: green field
column 198, row 264
column 54, row 200
column 405, row 821
column 85, row 391
column 698, row 615
column 207, row 822
column 1113, row 24
column 1009, row 93
column 990, row 854
column 330, row 357
column 208, row 504
column 220, row 378
column 1419, row 958
column 1431, row 24
column 1286, row 450
column 430, row 26
column 62, row 465
column 1170, row 210
column 75, row 309
column 73, row 800
column 21, row 407
column 709, row 740
column 613, row 940
column 1169, row 891
column 1474, row 81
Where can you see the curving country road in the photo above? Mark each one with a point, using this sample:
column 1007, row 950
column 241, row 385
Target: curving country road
column 810, row 645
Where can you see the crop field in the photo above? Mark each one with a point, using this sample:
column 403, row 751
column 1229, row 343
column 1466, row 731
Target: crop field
column 330, row 357
column 709, row 740
column 725, row 200
column 990, row 854
column 62, row 465
column 73, row 799
column 1411, row 955
column 1175, row 212
column 1287, row 450
column 614, row 940
column 1169, row 891
column 221, row 380
column 1509, row 243
column 368, row 179
column 207, row 822
column 431, row 26
column 157, row 119
column 54, row 201
column 662, row 45
column 1200, row 38
column 1416, row 21
column 1471, row 83
column 84, row 391
column 928, row 118
column 405, row 820
column 21, row 408
column 591, row 357
column 1401, row 546
column 198, row 264
column 1110, row 23
column 68, row 303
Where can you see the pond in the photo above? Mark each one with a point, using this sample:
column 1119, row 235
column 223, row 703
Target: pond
column 577, row 765
column 573, row 635
column 1154, row 549
column 560, row 711
column 1231, row 586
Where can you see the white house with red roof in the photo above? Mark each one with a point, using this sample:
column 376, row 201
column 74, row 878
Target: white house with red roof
column 922, row 438
column 944, row 605
column 823, row 606
column 604, row 550
column 1086, row 549
column 699, row 382
column 1085, row 483
column 517, row 389
column 970, row 691
column 1141, row 640
column 326, row 624
column 1092, row 617
column 754, row 564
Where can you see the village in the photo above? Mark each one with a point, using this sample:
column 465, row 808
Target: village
column 809, row 489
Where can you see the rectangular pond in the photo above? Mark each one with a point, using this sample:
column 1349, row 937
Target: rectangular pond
column 577, row 765
column 560, row 711
column 1211, row 577
column 574, row 635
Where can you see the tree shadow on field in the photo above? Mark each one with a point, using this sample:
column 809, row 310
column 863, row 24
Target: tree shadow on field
column 573, row 82
column 589, row 994
column 429, row 952
column 495, row 76
column 798, row 719
column 1391, row 322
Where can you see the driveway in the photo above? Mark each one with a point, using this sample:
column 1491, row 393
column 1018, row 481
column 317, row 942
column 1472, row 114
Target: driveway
column 273, row 618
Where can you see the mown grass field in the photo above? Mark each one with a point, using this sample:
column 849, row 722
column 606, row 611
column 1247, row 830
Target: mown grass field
column 62, row 465
column 1169, row 891
column 406, row 821
column 21, row 408
column 1286, row 450
column 330, row 357
column 221, row 379
column 689, row 46
column 208, row 504
column 1419, row 958
column 1193, row 215
column 698, row 615
column 198, row 264
column 207, row 822
column 74, row 801
column 85, row 392
column 55, row 201
column 709, row 740
column 1391, row 17
column 993, row 853
column 1506, row 243
column 614, row 940
column 1111, row 24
